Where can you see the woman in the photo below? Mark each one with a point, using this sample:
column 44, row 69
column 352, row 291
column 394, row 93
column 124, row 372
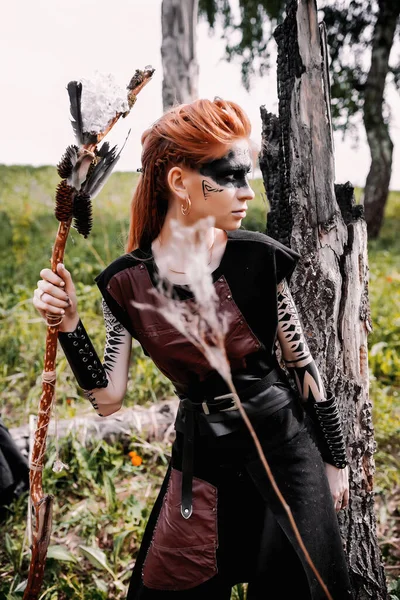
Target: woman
column 216, row 521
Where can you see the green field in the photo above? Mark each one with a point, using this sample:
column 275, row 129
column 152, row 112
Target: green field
column 103, row 500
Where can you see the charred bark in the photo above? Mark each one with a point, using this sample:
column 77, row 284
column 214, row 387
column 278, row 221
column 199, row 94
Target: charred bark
column 178, row 51
column 380, row 144
column 330, row 285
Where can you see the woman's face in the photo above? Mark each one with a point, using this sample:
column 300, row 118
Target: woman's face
column 220, row 188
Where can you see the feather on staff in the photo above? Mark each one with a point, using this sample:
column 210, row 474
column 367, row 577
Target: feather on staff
column 84, row 170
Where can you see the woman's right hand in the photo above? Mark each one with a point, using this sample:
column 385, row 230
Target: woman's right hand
column 55, row 295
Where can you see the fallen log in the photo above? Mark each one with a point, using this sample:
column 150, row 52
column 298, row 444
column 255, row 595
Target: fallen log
column 154, row 422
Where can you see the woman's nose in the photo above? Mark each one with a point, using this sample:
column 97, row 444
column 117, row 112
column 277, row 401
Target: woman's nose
column 245, row 192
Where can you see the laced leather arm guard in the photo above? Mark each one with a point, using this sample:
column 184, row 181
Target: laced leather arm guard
column 327, row 430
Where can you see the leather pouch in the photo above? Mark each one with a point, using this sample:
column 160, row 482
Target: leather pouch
column 182, row 553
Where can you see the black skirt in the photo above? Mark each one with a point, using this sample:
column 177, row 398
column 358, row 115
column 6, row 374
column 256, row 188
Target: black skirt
column 250, row 539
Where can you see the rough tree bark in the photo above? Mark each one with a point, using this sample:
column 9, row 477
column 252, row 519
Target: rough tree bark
column 330, row 284
column 376, row 127
column 178, row 51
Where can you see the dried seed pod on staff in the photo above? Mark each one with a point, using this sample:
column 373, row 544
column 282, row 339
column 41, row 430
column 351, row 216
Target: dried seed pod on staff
column 96, row 105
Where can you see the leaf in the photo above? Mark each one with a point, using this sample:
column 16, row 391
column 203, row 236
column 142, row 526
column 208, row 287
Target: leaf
column 21, row 586
column 376, row 348
column 45, row 595
column 8, row 545
column 119, row 585
column 100, row 584
column 60, row 553
column 109, row 491
column 118, row 541
column 96, row 557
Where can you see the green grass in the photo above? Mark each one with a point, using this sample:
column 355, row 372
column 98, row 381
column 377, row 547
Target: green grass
column 102, row 501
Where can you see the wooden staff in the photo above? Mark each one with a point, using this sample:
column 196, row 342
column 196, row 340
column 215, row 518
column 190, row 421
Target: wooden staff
column 41, row 504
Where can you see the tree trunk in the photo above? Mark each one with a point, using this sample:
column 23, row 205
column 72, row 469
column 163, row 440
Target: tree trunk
column 178, row 51
column 376, row 127
column 330, row 284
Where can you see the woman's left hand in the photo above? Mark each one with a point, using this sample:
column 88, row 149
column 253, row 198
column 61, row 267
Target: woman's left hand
column 339, row 484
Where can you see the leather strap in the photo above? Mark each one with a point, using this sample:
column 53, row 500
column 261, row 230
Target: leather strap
column 187, row 466
column 188, row 436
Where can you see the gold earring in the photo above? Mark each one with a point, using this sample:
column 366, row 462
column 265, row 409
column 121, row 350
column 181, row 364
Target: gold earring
column 186, row 209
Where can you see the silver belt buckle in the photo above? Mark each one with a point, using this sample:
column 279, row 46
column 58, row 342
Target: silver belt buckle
column 235, row 399
column 205, row 408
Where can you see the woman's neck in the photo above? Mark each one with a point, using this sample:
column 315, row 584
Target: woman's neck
column 216, row 240
column 166, row 234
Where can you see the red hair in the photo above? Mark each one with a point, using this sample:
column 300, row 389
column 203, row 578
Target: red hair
column 188, row 135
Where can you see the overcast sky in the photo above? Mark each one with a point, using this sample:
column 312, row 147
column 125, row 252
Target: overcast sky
column 46, row 43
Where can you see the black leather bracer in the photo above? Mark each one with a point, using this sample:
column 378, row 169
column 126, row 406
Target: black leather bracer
column 326, row 430
column 83, row 359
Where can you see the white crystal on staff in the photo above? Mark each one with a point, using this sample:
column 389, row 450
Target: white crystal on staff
column 102, row 98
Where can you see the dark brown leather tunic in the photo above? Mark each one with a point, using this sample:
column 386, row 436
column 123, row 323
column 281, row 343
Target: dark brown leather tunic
column 245, row 282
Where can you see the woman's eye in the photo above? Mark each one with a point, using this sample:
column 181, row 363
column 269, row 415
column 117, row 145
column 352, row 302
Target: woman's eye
column 236, row 176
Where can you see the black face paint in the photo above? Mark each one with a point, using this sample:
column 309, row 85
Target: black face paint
column 231, row 170
column 208, row 189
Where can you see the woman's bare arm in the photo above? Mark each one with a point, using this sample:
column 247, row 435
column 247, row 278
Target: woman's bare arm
column 104, row 383
column 295, row 352
column 117, row 353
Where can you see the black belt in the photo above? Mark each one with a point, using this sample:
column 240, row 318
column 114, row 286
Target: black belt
column 211, row 405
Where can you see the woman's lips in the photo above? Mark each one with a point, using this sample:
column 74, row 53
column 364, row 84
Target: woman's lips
column 239, row 213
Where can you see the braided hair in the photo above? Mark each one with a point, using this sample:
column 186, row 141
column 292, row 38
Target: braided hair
column 187, row 135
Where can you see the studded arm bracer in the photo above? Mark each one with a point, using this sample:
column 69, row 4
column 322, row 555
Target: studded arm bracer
column 104, row 383
column 83, row 359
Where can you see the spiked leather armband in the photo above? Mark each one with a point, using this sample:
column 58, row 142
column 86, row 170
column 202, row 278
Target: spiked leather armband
column 327, row 430
column 83, row 359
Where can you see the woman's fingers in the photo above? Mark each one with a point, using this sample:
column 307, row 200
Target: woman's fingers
column 54, row 291
column 62, row 280
column 49, row 299
column 51, row 277
column 55, row 294
column 337, row 502
column 342, row 500
column 345, row 495
column 45, row 307
column 66, row 276
column 345, row 501
column 338, row 480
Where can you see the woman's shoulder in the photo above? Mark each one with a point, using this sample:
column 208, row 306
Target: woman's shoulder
column 111, row 285
column 260, row 239
column 117, row 266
